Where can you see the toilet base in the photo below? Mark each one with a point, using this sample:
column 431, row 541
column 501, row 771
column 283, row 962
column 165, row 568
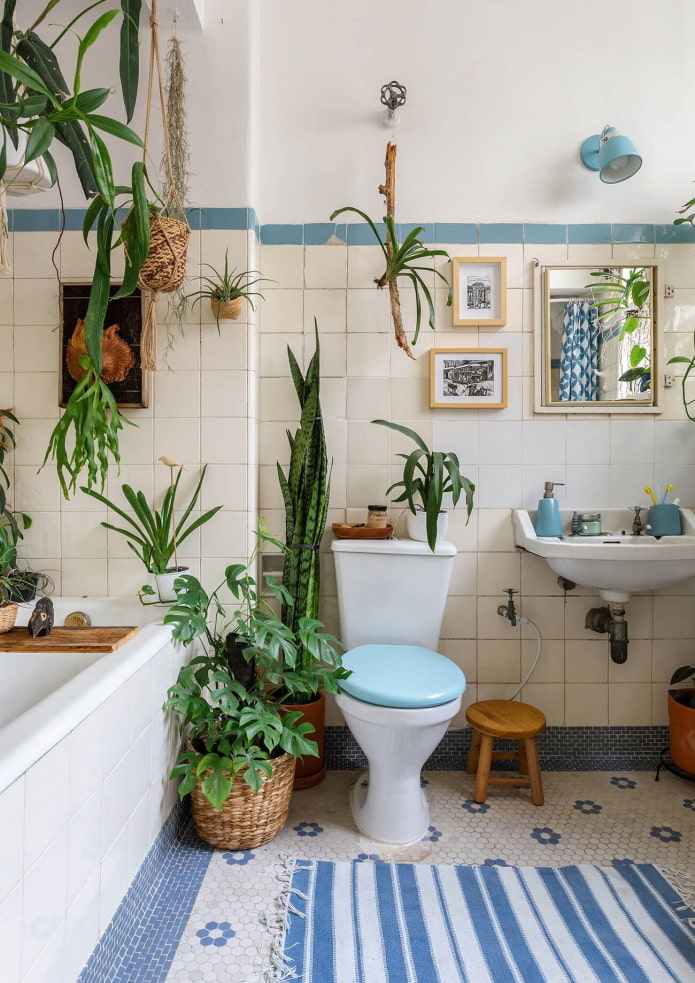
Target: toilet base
column 408, row 825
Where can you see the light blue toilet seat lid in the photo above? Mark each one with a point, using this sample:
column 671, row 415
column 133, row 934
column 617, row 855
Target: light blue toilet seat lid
column 405, row 676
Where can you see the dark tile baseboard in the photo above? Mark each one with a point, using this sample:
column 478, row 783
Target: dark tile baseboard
column 560, row 749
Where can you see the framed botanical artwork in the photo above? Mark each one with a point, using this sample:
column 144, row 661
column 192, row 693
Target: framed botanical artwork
column 468, row 377
column 480, row 291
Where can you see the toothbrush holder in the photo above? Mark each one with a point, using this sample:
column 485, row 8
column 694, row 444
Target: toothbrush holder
column 664, row 520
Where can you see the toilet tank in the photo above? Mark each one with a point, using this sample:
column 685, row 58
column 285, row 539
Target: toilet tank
column 391, row 591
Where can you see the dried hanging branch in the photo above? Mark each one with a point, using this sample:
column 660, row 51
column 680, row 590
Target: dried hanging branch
column 402, row 259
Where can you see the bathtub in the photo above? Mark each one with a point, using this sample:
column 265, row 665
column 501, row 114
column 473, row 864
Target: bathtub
column 85, row 754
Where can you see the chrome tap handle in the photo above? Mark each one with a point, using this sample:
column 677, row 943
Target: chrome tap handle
column 637, row 526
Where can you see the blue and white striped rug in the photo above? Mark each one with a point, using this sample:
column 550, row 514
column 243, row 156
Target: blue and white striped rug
column 413, row 923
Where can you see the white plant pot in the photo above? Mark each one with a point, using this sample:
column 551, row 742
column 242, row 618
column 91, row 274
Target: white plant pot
column 165, row 582
column 24, row 179
column 417, row 525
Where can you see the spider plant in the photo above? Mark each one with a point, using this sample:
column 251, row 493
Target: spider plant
column 403, row 260
column 152, row 533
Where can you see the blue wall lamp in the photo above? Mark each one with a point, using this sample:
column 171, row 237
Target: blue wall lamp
column 612, row 155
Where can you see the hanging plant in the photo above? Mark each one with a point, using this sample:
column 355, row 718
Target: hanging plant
column 36, row 100
column 403, row 259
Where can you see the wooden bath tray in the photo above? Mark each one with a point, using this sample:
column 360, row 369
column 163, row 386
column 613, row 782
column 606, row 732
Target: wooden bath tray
column 357, row 530
column 64, row 639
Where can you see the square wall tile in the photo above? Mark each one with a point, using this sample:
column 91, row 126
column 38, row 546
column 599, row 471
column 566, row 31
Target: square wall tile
column 283, row 266
column 586, row 705
column 11, row 846
column 325, row 266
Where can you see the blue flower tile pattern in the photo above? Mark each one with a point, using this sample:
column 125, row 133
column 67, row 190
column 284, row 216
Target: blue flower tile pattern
column 665, row 834
column 622, row 782
column 238, row 857
column 308, row 829
column 689, row 804
column 361, row 857
column 545, row 835
column 432, row 834
column 423, row 782
column 587, row 807
column 497, row 862
column 215, row 933
column 470, row 806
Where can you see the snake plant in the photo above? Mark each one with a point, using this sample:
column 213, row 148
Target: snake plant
column 37, row 101
column 403, row 260
column 305, row 490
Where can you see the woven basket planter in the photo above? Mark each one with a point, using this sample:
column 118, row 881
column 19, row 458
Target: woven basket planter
column 8, row 616
column 247, row 819
column 165, row 267
column 227, row 310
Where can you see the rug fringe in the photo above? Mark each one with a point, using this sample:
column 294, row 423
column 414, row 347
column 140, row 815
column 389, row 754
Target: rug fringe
column 684, row 884
column 276, row 921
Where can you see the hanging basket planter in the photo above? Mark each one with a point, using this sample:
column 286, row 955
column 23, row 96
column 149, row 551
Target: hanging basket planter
column 227, row 310
column 165, row 267
column 8, row 616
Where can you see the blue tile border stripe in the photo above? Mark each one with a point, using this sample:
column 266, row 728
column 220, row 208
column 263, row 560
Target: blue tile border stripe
column 140, row 942
column 559, row 748
column 357, row 233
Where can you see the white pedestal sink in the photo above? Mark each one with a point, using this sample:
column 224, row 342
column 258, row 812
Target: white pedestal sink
column 616, row 564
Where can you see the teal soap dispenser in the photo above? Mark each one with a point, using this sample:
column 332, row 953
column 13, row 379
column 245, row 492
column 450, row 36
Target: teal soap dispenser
column 548, row 515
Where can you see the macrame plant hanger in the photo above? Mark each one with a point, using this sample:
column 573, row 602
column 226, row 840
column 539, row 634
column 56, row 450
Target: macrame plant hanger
column 165, row 267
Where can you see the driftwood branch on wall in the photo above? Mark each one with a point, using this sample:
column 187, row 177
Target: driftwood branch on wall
column 388, row 189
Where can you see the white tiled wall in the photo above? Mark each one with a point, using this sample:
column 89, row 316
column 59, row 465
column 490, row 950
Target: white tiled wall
column 201, row 410
column 508, row 453
column 227, row 398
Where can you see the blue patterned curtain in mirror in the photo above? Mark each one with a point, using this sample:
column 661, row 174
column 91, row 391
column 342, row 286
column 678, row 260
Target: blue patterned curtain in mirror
column 580, row 340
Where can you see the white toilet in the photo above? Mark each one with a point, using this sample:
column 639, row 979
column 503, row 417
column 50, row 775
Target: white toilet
column 402, row 694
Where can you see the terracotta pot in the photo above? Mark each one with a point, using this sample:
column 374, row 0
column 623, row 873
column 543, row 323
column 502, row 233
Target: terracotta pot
column 681, row 722
column 310, row 771
column 226, row 310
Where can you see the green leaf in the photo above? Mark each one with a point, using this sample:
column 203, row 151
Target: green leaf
column 27, row 76
column 637, row 353
column 93, row 32
column 129, row 65
column 406, row 431
column 39, row 140
column 115, row 128
column 103, row 168
column 681, row 674
column 6, row 31
column 90, row 99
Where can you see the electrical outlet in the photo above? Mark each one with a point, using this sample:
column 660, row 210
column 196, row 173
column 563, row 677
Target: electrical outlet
column 669, row 380
column 669, row 291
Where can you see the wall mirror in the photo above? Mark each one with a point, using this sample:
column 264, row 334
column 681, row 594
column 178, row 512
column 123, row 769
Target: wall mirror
column 595, row 342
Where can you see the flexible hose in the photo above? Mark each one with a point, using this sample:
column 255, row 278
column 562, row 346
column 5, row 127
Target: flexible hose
column 521, row 619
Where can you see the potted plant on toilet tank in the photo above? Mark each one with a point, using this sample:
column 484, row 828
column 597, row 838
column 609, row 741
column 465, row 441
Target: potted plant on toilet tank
column 427, row 477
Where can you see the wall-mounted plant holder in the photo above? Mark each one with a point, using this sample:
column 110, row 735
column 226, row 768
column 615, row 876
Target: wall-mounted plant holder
column 122, row 369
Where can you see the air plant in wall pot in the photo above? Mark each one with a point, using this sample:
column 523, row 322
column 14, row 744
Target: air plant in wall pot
column 403, row 259
column 226, row 290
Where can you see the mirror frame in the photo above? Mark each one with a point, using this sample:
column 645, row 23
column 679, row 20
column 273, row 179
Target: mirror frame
column 541, row 352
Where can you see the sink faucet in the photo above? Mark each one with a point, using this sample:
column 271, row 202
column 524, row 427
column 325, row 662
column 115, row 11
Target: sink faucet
column 637, row 526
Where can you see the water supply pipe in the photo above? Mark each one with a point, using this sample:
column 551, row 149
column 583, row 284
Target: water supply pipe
column 509, row 611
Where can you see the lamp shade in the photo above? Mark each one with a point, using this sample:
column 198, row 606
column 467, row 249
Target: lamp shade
column 613, row 155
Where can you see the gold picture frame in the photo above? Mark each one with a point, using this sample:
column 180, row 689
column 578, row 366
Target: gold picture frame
column 468, row 378
column 480, row 291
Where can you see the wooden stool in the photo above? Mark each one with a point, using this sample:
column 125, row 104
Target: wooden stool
column 505, row 718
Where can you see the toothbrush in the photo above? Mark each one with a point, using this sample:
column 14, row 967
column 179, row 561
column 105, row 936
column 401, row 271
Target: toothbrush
column 651, row 495
column 669, row 488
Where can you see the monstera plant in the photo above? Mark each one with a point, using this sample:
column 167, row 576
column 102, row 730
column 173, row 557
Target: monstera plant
column 41, row 104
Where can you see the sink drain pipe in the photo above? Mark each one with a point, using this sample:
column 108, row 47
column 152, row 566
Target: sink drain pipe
column 610, row 619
